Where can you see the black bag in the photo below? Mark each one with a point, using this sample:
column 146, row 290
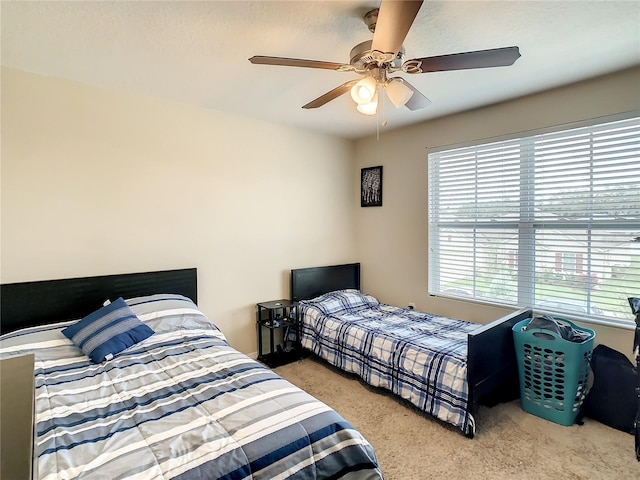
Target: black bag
column 612, row 398
column 634, row 303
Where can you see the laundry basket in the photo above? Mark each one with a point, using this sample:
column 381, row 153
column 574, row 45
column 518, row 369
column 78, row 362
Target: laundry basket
column 553, row 371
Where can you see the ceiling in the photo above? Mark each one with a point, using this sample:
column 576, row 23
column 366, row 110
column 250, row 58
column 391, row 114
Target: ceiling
column 196, row 52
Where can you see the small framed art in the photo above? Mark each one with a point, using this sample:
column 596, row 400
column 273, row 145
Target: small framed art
column 371, row 187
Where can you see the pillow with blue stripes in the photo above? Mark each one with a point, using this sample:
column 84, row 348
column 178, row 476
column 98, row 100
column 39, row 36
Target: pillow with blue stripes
column 108, row 331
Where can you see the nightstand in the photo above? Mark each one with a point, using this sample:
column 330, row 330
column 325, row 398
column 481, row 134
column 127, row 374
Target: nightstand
column 277, row 322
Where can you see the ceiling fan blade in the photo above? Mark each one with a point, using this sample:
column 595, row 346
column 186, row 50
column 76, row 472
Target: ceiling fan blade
column 331, row 95
column 496, row 57
column 394, row 21
column 294, row 62
column 417, row 100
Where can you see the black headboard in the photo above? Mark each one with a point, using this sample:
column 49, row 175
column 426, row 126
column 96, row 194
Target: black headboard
column 28, row 304
column 308, row 283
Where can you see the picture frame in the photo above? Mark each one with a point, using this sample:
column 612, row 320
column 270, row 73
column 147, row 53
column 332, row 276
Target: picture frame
column 371, row 187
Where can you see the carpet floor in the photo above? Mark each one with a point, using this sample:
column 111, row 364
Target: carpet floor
column 509, row 443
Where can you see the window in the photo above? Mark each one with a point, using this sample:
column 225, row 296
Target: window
column 550, row 221
column 568, row 262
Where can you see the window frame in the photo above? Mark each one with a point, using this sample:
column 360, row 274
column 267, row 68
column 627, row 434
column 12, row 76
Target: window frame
column 526, row 225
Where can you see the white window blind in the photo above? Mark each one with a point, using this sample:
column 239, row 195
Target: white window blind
column 550, row 221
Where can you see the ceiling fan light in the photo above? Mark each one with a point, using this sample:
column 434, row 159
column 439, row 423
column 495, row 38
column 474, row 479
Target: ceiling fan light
column 364, row 91
column 369, row 108
column 398, row 92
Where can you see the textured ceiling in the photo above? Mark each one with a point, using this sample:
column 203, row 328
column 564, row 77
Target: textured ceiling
column 196, row 52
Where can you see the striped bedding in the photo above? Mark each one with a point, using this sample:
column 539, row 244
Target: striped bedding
column 419, row 356
column 181, row 404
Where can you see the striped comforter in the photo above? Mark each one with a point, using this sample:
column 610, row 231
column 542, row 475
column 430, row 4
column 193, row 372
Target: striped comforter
column 418, row 356
column 181, row 404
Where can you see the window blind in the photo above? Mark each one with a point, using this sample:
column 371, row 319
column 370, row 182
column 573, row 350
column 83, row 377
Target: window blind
column 550, row 221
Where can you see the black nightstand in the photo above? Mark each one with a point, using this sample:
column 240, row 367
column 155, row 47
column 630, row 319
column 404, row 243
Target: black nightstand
column 279, row 318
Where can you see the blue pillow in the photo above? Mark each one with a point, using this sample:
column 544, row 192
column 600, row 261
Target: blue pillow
column 107, row 331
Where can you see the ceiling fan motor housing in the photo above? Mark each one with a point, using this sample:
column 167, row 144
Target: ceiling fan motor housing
column 362, row 57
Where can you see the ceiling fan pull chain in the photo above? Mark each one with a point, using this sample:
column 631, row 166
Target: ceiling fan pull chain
column 378, row 123
column 384, row 122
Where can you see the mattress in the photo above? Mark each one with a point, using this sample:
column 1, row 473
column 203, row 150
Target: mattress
column 180, row 404
column 419, row 356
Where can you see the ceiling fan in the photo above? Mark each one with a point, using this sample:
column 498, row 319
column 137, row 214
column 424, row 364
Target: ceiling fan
column 384, row 55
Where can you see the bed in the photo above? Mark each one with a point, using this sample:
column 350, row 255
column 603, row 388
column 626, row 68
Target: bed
column 180, row 403
column 445, row 367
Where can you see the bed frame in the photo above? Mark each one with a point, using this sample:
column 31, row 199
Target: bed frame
column 28, row 304
column 492, row 368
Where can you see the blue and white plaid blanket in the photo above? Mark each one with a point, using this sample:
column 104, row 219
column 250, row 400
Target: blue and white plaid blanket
column 419, row 356
column 180, row 404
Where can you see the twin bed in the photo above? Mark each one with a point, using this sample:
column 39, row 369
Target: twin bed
column 443, row 366
column 180, row 403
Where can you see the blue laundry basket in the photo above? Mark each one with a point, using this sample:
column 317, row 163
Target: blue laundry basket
column 553, row 371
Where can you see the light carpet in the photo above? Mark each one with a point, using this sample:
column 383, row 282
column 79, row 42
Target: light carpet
column 509, row 443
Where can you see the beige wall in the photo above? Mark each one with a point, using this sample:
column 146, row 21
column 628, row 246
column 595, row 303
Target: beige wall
column 392, row 239
column 98, row 182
